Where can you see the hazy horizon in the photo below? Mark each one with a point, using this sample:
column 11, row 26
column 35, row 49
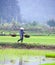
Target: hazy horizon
column 27, row 10
column 39, row 10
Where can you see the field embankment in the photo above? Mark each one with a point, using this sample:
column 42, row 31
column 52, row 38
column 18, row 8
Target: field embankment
column 26, row 46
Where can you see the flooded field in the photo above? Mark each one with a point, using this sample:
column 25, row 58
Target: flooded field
column 27, row 60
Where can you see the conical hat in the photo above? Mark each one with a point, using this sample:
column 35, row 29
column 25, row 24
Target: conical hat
column 22, row 28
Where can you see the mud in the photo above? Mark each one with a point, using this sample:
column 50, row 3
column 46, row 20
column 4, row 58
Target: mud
column 26, row 46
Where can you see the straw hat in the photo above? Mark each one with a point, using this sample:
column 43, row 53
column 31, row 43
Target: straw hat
column 22, row 28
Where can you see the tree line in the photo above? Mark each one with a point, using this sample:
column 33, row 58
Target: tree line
column 29, row 27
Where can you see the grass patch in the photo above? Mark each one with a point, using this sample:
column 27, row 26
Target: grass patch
column 23, row 52
column 48, row 64
column 45, row 40
column 50, row 55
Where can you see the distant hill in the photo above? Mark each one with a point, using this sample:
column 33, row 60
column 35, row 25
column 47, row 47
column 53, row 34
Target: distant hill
column 9, row 9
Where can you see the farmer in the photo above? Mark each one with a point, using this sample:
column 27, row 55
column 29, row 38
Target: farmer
column 21, row 34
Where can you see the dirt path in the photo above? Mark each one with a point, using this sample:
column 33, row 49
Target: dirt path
column 26, row 46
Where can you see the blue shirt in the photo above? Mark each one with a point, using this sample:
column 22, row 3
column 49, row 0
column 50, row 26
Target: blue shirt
column 21, row 33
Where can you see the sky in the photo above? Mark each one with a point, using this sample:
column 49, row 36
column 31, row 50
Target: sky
column 39, row 10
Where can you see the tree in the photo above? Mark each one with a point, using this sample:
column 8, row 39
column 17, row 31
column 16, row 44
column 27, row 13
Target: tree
column 10, row 9
column 51, row 23
column 34, row 23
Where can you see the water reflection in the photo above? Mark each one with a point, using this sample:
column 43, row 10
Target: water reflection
column 27, row 60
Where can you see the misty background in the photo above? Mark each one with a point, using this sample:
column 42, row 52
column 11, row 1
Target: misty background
column 36, row 16
column 39, row 10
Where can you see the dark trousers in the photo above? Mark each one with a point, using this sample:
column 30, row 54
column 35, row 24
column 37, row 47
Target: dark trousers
column 21, row 39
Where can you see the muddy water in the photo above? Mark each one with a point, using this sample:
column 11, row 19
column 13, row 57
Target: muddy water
column 27, row 60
